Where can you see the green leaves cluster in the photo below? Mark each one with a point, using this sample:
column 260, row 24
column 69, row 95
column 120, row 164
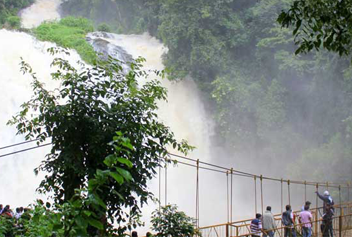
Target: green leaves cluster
column 168, row 221
column 319, row 24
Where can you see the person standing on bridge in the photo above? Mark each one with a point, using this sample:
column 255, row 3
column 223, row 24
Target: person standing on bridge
column 288, row 222
column 306, row 204
column 256, row 226
column 305, row 218
column 269, row 225
column 327, row 200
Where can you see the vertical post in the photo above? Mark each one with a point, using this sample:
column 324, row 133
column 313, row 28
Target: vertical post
column 165, row 181
column 340, row 226
column 316, row 212
column 231, row 197
column 227, row 230
column 197, row 195
column 159, row 187
column 255, row 195
column 227, row 197
column 305, row 191
column 289, row 192
column 261, row 193
column 282, row 205
column 341, row 212
column 348, row 198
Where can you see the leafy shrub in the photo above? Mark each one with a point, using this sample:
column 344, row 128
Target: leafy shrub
column 104, row 27
column 168, row 221
column 14, row 22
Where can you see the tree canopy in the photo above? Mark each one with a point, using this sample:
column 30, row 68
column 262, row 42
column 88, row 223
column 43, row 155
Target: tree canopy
column 320, row 24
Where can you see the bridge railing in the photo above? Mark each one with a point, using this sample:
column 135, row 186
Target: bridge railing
column 342, row 224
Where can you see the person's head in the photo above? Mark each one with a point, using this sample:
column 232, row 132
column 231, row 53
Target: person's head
column 148, row 234
column 21, row 209
column 6, row 209
column 1, row 207
column 18, row 210
column 258, row 215
column 268, row 208
column 306, row 207
column 288, row 207
column 326, row 193
column 308, row 203
column 134, row 234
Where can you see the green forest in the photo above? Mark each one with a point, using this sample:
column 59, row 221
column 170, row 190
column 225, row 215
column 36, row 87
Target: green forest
column 270, row 104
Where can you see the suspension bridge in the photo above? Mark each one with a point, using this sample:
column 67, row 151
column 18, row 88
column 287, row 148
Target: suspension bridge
column 342, row 219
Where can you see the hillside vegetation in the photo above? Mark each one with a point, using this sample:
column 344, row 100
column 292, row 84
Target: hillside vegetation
column 69, row 32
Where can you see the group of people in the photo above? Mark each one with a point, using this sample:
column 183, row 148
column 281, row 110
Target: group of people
column 6, row 211
column 265, row 224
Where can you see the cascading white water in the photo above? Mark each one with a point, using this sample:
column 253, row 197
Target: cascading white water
column 184, row 113
column 17, row 177
column 42, row 10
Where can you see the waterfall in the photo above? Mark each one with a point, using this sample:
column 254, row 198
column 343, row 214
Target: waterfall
column 184, row 113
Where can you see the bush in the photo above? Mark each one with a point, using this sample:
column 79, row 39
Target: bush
column 104, row 27
column 14, row 22
column 168, row 221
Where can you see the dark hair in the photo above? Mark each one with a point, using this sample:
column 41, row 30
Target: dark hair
column 308, row 203
column 306, row 207
column 268, row 208
column 18, row 209
column 258, row 215
column 288, row 207
column 134, row 234
column 148, row 234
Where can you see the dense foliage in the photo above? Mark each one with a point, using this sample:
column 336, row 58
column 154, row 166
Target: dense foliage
column 69, row 32
column 271, row 105
column 9, row 10
column 169, row 221
column 320, row 24
column 81, row 119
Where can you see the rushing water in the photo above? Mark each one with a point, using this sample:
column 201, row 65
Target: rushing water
column 184, row 113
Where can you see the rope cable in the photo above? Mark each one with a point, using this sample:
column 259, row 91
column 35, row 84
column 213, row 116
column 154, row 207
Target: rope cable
column 23, row 150
column 17, row 144
column 236, row 172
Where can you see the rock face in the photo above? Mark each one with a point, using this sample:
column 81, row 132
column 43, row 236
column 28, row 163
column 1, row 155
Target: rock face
column 102, row 43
